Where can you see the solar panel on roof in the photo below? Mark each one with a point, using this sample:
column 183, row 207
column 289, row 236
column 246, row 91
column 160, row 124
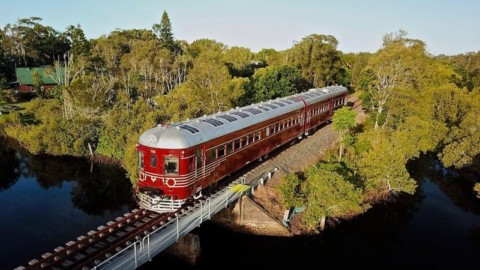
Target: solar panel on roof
column 271, row 106
column 190, row 128
column 296, row 99
column 228, row 118
column 279, row 104
column 254, row 111
column 243, row 115
column 213, row 122
column 263, row 108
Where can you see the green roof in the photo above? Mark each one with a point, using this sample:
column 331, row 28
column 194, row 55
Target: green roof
column 48, row 75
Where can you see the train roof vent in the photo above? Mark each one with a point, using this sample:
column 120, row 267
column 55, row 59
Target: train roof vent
column 213, row 122
column 228, row 118
column 279, row 104
column 241, row 114
column 254, row 111
column 270, row 106
column 264, row 108
column 190, row 128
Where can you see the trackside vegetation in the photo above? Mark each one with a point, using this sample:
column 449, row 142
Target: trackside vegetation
column 115, row 87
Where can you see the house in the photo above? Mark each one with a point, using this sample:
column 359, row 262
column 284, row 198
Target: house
column 39, row 78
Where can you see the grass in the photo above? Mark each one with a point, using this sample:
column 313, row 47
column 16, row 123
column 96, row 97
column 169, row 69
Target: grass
column 7, row 98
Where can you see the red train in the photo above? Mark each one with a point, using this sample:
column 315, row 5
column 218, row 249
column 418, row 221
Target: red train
column 178, row 161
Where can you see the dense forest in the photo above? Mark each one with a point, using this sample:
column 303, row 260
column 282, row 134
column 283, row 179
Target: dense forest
column 116, row 86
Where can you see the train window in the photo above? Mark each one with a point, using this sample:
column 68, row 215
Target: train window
column 257, row 136
column 171, row 165
column 191, row 164
column 229, row 147
column 140, row 160
column 221, row 151
column 212, row 154
column 244, row 141
column 272, row 130
column 153, row 160
column 237, row 144
column 250, row 138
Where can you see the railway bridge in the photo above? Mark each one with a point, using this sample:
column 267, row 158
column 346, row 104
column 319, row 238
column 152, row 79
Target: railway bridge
column 135, row 238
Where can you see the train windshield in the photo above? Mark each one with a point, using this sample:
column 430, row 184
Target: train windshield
column 171, row 165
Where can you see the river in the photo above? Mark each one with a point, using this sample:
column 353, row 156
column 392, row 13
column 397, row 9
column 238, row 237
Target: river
column 45, row 202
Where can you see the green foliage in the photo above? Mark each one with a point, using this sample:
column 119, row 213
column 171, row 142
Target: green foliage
column 316, row 56
column 343, row 123
column 239, row 61
column 476, row 188
column 329, row 194
column 273, row 82
column 209, row 88
column 78, row 41
column 382, row 167
column 71, row 137
column 165, row 34
column 289, row 190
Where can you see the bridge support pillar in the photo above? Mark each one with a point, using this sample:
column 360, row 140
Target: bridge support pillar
column 187, row 248
column 247, row 216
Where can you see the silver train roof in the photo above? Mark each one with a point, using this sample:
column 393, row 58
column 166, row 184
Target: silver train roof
column 199, row 130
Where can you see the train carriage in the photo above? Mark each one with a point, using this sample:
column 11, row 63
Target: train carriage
column 178, row 161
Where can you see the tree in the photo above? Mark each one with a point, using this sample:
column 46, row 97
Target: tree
column 394, row 67
column 382, row 167
column 343, row 122
column 79, row 44
column 289, row 190
column 239, row 61
column 329, row 194
column 274, row 82
column 163, row 30
column 316, row 56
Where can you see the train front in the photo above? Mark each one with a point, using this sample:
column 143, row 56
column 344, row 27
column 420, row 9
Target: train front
column 166, row 176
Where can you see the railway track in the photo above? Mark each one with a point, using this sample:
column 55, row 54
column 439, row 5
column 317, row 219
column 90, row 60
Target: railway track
column 97, row 245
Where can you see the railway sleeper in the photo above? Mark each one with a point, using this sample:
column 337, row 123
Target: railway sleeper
column 130, row 228
column 79, row 256
column 66, row 263
column 91, row 250
column 120, row 233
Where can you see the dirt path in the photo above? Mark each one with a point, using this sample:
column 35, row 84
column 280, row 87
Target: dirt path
column 295, row 159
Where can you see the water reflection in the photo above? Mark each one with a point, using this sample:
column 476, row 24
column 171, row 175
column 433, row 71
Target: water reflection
column 98, row 188
column 48, row 201
column 10, row 167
